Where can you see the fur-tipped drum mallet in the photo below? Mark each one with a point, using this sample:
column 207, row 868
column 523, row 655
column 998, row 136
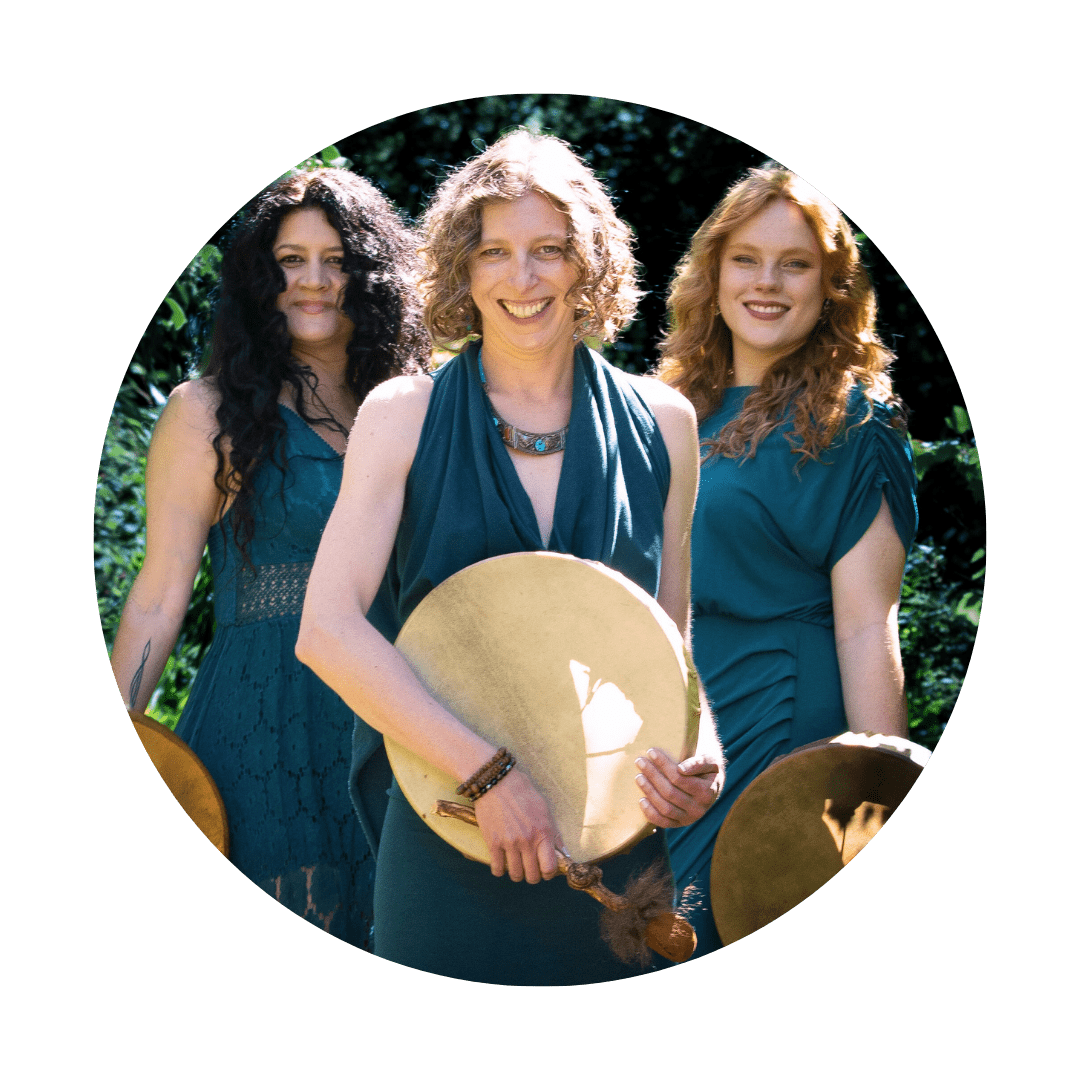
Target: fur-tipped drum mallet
column 639, row 920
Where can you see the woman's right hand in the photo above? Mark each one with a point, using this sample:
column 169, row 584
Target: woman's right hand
column 517, row 826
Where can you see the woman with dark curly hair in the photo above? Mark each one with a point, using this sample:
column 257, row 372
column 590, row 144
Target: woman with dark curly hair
column 807, row 502
column 527, row 440
column 317, row 307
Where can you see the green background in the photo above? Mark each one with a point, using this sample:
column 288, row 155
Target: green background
column 133, row 948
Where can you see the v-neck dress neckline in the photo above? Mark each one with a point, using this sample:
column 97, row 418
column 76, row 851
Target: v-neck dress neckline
column 289, row 411
column 578, row 392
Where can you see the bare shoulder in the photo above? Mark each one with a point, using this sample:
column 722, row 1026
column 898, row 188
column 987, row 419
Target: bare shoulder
column 401, row 394
column 665, row 401
column 182, row 464
column 192, row 408
column 675, row 417
column 389, row 422
column 399, row 404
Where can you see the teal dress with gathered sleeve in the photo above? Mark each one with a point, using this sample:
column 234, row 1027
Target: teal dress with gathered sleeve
column 435, row 909
column 766, row 536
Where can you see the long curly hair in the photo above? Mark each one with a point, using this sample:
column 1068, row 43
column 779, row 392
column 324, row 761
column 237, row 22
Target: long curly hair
column 251, row 359
column 599, row 244
column 810, row 386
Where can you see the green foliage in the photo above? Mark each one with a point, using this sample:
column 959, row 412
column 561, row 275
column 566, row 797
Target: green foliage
column 120, row 513
column 329, row 158
column 941, row 605
column 937, row 632
column 959, row 451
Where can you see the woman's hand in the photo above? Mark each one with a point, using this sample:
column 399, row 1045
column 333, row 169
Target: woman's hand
column 517, row 826
column 678, row 793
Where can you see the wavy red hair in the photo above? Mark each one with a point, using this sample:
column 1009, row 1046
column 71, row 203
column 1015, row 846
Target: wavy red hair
column 812, row 384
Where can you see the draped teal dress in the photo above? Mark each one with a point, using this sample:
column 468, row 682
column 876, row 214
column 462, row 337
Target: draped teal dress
column 435, row 909
column 765, row 539
column 273, row 736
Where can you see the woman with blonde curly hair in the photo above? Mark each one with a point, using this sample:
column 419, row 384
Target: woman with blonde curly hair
column 526, row 440
column 807, row 502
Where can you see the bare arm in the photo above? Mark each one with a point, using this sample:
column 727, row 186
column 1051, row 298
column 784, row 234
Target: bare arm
column 182, row 502
column 679, row 793
column 866, row 600
column 338, row 643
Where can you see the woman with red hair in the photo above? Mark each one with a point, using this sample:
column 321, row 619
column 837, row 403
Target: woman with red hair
column 806, row 508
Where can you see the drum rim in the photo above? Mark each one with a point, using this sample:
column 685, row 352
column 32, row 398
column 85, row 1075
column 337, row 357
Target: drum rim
column 917, row 756
column 159, row 730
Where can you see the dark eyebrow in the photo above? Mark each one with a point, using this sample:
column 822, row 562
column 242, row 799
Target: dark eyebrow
column 301, row 247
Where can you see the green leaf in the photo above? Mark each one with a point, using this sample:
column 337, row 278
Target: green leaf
column 970, row 607
column 929, row 454
column 959, row 422
column 178, row 316
column 331, row 158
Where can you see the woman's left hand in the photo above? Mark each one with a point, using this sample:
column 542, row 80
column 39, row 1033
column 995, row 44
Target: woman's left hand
column 678, row 793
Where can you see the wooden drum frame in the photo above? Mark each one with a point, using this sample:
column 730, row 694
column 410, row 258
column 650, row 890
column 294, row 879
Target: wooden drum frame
column 186, row 777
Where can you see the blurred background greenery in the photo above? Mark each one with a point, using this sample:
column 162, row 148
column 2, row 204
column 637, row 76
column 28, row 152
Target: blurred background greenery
column 666, row 174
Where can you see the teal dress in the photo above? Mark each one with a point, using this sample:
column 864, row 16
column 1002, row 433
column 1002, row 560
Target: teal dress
column 435, row 909
column 765, row 539
column 273, row 736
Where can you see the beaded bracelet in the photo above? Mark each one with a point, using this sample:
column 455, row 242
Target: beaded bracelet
column 487, row 772
column 506, row 767
column 488, row 775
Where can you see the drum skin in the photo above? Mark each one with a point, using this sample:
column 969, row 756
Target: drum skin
column 803, row 819
column 573, row 668
column 186, row 777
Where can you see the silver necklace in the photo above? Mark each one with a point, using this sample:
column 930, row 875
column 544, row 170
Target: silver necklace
column 528, row 442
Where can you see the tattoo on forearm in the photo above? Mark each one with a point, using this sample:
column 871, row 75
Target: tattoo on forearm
column 136, row 679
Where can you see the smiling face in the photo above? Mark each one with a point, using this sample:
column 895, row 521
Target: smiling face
column 771, row 290
column 309, row 250
column 519, row 277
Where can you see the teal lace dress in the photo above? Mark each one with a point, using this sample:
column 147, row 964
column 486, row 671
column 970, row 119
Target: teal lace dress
column 765, row 539
column 273, row 736
column 435, row 909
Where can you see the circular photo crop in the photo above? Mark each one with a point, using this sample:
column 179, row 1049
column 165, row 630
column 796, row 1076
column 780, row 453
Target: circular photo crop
column 575, row 331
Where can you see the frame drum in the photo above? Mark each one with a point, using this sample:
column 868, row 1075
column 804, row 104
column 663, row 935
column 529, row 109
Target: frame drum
column 186, row 777
column 801, row 820
column 573, row 668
